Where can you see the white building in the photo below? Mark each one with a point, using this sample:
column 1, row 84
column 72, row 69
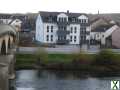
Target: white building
column 62, row 28
column 102, row 34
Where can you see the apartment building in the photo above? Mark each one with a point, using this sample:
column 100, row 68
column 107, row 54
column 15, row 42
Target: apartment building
column 63, row 28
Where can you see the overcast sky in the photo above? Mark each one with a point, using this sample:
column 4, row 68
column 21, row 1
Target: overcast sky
column 82, row 6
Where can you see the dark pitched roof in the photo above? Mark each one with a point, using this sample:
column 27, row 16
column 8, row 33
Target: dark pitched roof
column 45, row 15
column 102, row 28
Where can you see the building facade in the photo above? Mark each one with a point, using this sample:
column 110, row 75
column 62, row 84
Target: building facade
column 62, row 28
column 102, row 35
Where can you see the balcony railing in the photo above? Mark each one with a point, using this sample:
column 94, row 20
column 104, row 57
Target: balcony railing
column 62, row 41
column 62, row 23
column 63, row 32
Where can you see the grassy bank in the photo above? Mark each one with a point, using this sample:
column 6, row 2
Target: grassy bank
column 29, row 60
column 26, row 60
column 105, row 61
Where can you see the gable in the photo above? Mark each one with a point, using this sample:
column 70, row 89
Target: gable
column 62, row 15
column 82, row 17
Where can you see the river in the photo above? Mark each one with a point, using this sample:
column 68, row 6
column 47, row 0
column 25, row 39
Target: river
column 56, row 80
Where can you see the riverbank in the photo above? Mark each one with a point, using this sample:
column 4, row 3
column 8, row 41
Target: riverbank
column 29, row 61
column 105, row 63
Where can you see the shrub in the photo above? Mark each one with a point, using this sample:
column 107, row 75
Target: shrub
column 41, row 55
column 81, row 58
column 81, row 61
column 105, row 57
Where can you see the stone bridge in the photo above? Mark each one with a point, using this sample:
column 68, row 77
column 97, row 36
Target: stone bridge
column 7, row 60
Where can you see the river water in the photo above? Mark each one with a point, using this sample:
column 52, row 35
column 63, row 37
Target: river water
column 55, row 80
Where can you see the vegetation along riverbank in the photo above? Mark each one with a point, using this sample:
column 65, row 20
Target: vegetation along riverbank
column 103, row 62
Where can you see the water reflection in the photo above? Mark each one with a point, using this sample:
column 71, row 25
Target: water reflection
column 59, row 80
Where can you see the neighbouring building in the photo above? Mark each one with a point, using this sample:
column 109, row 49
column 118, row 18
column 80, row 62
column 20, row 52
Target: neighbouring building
column 100, row 34
column 63, row 28
column 16, row 23
column 115, row 37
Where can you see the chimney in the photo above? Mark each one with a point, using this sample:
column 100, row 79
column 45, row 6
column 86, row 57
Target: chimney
column 67, row 11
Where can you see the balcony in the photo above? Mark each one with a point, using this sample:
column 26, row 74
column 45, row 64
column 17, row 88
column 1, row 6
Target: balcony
column 62, row 23
column 85, row 32
column 62, row 41
column 63, row 32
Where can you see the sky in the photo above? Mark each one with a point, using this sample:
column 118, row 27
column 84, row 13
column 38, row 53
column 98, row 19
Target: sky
column 81, row 6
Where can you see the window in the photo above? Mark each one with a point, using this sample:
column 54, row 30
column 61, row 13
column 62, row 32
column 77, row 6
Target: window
column 83, row 28
column 58, row 37
column 51, row 37
column 73, row 19
column 64, row 28
column 47, row 28
column 74, row 38
column 51, row 28
column 71, row 29
column 71, row 38
column 59, row 19
column 102, row 35
column 98, row 35
column 64, row 37
column 65, row 19
column 80, row 20
column 75, row 31
column 84, row 20
column 47, row 38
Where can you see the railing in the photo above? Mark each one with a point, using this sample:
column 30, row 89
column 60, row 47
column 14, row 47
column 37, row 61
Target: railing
column 62, row 41
column 63, row 32
column 62, row 23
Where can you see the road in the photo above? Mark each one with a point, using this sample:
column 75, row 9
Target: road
column 65, row 50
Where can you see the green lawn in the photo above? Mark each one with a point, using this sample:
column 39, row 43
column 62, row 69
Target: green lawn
column 84, row 61
column 31, row 58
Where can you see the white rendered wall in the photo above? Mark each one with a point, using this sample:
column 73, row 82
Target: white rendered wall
column 39, row 30
column 103, row 35
column 108, row 33
column 75, row 34
column 54, row 33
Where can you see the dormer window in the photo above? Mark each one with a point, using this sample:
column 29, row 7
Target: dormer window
column 59, row 19
column 84, row 20
column 50, row 18
column 73, row 19
column 62, row 19
column 65, row 19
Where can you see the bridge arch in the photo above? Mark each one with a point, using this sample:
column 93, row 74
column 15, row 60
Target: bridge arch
column 9, row 43
column 3, row 48
column 7, row 37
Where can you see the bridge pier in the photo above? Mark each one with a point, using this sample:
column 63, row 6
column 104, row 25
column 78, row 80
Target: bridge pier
column 7, row 58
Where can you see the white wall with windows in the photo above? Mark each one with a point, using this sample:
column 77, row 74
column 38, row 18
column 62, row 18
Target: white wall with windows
column 50, row 32
column 47, row 32
column 101, row 36
column 74, row 33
